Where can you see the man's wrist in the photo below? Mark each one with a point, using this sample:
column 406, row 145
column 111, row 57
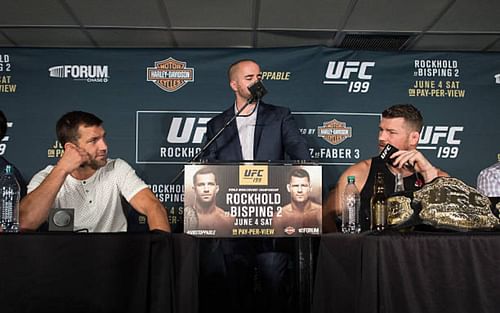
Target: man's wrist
column 430, row 174
column 60, row 170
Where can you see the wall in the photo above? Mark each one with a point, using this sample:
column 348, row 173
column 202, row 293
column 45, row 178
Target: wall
column 155, row 104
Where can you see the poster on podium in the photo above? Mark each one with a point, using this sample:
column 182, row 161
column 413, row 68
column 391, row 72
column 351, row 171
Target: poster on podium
column 252, row 200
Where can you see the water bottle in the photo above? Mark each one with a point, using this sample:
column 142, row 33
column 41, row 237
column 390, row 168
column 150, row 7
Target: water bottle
column 10, row 194
column 350, row 208
column 399, row 185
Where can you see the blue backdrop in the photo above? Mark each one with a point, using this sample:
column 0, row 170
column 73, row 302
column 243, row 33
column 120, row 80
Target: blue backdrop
column 155, row 104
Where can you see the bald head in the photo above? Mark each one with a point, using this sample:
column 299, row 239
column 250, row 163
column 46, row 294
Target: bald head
column 234, row 68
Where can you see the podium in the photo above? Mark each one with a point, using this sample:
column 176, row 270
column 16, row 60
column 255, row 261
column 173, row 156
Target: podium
column 259, row 200
column 252, row 200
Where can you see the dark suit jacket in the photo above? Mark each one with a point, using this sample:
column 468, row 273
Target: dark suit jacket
column 276, row 135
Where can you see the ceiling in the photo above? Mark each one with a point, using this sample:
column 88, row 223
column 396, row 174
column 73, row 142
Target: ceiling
column 438, row 25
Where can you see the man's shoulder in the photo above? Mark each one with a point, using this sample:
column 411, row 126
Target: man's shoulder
column 45, row 171
column 359, row 170
column 492, row 169
column 116, row 163
column 273, row 107
column 228, row 111
column 287, row 209
column 360, row 167
column 220, row 211
column 221, row 117
column 315, row 206
column 115, row 166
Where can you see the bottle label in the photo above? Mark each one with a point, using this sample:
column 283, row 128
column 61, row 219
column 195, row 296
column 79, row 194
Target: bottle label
column 379, row 214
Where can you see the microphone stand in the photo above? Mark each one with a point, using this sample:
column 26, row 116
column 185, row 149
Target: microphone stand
column 257, row 90
column 209, row 143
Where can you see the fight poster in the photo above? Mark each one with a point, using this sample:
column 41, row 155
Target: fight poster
column 252, row 200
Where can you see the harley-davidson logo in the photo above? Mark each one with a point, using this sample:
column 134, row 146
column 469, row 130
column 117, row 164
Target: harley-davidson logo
column 170, row 74
column 334, row 131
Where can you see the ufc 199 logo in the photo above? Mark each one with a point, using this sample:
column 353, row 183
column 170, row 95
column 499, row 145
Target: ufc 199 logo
column 253, row 175
column 444, row 139
column 189, row 129
column 3, row 141
column 355, row 74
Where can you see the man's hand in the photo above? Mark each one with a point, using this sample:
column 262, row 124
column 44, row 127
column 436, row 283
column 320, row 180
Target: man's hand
column 417, row 160
column 72, row 158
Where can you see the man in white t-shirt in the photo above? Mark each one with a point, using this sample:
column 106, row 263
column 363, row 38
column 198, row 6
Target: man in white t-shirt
column 86, row 180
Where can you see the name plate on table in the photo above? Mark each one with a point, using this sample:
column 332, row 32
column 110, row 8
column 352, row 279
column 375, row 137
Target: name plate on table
column 252, row 200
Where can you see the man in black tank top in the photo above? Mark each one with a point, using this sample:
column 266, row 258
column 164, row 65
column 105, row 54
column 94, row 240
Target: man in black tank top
column 400, row 126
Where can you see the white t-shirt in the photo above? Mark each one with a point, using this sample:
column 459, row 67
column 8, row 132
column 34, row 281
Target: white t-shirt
column 246, row 132
column 96, row 200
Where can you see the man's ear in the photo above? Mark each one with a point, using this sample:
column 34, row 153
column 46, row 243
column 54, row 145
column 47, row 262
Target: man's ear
column 414, row 138
column 70, row 145
column 288, row 187
column 233, row 85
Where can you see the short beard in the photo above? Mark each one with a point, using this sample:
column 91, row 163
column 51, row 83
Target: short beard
column 95, row 164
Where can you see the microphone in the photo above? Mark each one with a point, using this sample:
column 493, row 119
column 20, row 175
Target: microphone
column 257, row 91
column 386, row 154
column 61, row 219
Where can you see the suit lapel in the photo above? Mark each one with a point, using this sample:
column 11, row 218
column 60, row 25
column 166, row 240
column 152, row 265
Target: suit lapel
column 231, row 134
column 262, row 116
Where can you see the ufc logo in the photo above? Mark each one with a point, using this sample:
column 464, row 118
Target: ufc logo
column 343, row 70
column 192, row 130
column 433, row 134
column 253, row 173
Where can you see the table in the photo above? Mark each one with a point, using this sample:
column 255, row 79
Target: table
column 115, row 272
column 413, row 272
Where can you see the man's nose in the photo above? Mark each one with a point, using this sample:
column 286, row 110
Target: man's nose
column 382, row 136
column 103, row 145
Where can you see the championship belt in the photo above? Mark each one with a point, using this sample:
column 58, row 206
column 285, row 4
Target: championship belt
column 448, row 202
column 190, row 218
column 399, row 210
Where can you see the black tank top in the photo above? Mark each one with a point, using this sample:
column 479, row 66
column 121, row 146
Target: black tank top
column 379, row 165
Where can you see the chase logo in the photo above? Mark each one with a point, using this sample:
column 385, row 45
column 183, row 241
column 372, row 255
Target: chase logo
column 355, row 74
column 170, row 75
column 88, row 73
column 254, row 175
column 334, row 132
column 497, row 78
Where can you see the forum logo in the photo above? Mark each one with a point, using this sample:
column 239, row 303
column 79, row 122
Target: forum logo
column 88, row 73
